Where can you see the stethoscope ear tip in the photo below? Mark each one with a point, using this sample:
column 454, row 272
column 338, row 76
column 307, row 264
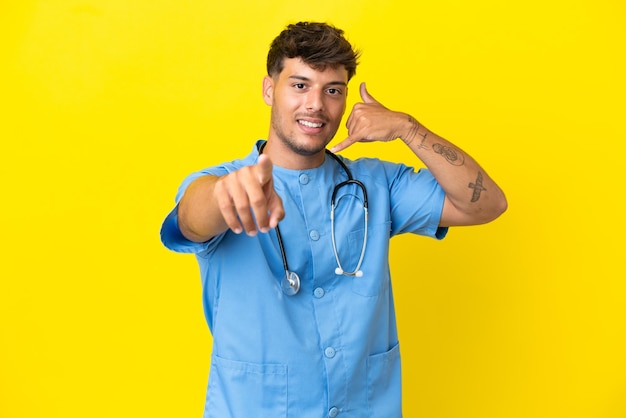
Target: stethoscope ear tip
column 359, row 273
column 338, row 271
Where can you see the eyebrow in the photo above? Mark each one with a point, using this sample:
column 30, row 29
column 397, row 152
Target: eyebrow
column 332, row 83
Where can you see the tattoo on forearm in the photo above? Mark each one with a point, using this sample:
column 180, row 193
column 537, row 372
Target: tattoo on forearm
column 422, row 144
column 450, row 154
column 415, row 125
column 477, row 186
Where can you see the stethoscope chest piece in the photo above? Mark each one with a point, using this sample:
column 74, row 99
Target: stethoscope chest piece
column 290, row 283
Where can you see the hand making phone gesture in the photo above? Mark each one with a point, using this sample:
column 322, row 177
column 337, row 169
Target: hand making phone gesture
column 371, row 121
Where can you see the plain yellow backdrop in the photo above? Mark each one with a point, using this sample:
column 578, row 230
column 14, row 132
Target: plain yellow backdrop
column 107, row 105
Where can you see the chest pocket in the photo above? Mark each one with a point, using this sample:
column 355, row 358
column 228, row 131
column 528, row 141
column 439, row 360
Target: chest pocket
column 375, row 267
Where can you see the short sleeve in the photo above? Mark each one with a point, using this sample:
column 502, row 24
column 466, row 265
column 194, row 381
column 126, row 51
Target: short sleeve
column 174, row 240
column 416, row 203
column 171, row 236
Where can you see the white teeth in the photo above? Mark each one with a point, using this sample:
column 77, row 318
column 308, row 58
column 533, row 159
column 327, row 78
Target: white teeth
column 310, row 124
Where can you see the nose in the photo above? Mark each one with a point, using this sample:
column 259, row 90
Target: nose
column 314, row 100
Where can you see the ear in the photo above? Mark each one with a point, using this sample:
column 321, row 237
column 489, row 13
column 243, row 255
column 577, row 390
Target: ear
column 268, row 90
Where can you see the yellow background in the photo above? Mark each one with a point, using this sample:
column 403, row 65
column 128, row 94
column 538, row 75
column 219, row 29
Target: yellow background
column 107, row 104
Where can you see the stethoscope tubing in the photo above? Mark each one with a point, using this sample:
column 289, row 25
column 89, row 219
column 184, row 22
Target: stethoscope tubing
column 291, row 282
column 339, row 270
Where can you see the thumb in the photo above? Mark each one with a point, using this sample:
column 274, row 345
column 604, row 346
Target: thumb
column 365, row 95
column 264, row 169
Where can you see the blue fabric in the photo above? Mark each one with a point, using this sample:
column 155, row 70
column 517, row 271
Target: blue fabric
column 333, row 347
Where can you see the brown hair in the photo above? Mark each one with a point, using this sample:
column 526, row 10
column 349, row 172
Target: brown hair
column 318, row 44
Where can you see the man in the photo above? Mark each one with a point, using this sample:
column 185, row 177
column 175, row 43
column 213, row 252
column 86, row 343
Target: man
column 303, row 321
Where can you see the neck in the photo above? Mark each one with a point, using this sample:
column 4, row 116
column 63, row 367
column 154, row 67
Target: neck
column 283, row 156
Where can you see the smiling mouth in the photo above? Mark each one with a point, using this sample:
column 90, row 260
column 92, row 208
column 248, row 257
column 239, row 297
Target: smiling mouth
column 310, row 124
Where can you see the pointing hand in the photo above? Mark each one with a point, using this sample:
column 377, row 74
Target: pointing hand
column 247, row 198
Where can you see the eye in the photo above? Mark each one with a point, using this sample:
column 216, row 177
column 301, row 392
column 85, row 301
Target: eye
column 334, row 92
column 299, row 86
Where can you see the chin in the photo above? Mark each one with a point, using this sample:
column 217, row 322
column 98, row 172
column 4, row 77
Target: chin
column 307, row 146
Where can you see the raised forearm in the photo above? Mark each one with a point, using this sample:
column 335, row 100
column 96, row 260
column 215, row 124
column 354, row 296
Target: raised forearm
column 472, row 196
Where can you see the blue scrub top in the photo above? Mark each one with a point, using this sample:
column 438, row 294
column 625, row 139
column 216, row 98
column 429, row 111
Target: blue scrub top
column 332, row 349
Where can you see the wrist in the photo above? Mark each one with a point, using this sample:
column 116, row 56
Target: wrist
column 410, row 129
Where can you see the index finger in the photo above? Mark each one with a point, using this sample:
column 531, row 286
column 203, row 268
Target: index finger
column 264, row 169
column 261, row 198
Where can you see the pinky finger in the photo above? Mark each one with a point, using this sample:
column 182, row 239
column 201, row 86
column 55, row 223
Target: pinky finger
column 342, row 145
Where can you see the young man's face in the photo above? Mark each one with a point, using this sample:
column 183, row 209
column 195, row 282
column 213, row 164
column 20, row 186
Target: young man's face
column 307, row 106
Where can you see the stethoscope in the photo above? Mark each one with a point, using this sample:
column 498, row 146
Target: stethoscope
column 290, row 284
